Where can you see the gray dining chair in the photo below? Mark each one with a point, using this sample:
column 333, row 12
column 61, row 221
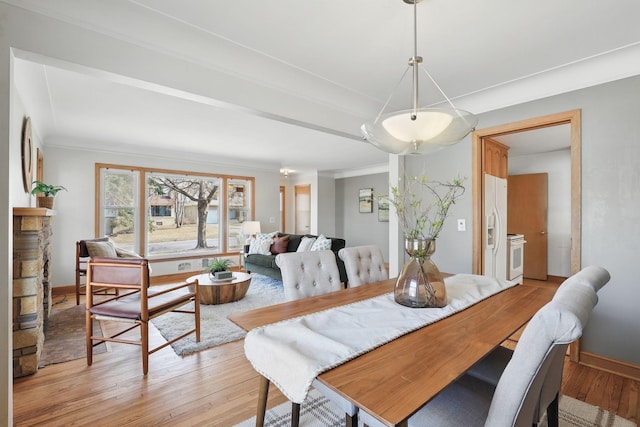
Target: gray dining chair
column 514, row 401
column 492, row 366
column 307, row 274
column 364, row 264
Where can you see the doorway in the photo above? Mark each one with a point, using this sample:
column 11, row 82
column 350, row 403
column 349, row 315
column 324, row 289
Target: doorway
column 573, row 118
column 302, row 200
column 478, row 140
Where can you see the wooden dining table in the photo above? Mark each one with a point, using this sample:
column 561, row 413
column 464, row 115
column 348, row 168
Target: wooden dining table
column 396, row 379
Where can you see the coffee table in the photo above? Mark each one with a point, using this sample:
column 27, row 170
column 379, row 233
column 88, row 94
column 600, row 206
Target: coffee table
column 222, row 292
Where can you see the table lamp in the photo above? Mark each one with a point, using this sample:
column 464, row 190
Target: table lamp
column 250, row 228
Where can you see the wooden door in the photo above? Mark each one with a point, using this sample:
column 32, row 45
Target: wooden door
column 527, row 214
column 303, row 209
column 283, row 207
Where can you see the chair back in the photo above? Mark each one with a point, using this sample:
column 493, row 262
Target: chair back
column 129, row 272
column 364, row 264
column 516, row 398
column 306, row 274
column 81, row 246
column 573, row 292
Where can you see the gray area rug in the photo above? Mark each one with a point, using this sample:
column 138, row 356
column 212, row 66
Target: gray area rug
column 318, row 411
column 215, row 328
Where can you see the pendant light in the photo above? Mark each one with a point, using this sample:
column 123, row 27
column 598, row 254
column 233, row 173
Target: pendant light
column 418, row 130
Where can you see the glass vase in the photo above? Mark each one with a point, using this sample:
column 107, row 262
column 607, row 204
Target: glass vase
column 420, row 283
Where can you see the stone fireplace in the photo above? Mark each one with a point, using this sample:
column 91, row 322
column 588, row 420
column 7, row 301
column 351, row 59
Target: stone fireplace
column 31, row 290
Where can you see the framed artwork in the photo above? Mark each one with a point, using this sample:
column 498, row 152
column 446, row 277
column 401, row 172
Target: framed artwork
column 27, row 155
column 383, row 211
column 365, row 200
column 236, row 195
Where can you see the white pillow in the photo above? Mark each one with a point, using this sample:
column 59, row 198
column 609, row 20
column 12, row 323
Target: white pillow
column 260, row 247
column 321, row 244
column 305, row 244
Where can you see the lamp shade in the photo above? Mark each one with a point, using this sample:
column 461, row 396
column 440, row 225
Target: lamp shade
column 432, row 130
column 251, row 227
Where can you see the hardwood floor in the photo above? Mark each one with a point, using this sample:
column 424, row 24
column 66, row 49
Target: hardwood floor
column 215, row 387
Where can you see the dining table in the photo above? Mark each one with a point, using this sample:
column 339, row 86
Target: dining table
column 394, row 380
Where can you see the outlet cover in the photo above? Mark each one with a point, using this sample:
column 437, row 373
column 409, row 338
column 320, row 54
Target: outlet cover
column 462, row 225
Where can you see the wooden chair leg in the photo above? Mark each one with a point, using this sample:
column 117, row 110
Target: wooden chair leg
column 89, row 341
column 295, row 414
column 263, row 393
column 144, row 335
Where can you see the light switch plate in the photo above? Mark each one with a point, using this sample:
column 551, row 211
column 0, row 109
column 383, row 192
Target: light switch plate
column 462, row 225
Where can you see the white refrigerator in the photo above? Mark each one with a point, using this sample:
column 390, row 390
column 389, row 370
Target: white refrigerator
column 495, row 238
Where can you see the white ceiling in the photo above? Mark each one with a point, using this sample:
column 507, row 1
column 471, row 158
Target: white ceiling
column 344, row 57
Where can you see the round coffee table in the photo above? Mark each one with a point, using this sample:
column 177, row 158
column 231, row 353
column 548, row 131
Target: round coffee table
column 222, row 292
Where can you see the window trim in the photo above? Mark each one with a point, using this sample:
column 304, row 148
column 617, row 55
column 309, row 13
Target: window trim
column 141, row 237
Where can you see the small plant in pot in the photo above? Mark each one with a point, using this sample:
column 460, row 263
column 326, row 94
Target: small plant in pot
column 219, row 268
column 45, row 193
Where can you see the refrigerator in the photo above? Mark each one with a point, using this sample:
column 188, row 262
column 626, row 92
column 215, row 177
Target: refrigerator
column 495, row 238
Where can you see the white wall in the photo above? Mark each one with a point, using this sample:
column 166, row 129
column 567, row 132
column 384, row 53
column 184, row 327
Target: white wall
column 610, row 200
column 453, row 247
column 75, row 209
column 557, row 165
column 361, row 228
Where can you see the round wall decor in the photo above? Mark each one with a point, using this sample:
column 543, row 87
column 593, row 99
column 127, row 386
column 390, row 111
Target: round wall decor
column 27, row 155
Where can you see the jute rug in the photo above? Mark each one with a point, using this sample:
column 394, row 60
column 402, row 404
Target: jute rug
column 318, row 411
column 215, row 328
column 64, row 336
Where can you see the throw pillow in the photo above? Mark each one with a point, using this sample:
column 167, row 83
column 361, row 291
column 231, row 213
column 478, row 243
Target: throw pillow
column 305, row 244
column 321, row 244
column 123, row 253
column 260, row 247
column 101, row 249
column 279, row 245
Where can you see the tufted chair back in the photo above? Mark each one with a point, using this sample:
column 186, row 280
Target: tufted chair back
column 364, row 264
column 306, row 274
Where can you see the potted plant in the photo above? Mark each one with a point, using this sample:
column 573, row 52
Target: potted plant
column 422, row 206
column 219, row 268
column 45, row 193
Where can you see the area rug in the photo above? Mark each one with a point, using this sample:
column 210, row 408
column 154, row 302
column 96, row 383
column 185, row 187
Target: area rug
column 215, row 328
column 318, row 411
column 64, row 336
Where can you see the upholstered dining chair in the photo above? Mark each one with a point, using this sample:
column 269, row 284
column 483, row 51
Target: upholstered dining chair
column 364, row 264
column 491, row 367
column 514, row 400
column 306, row 274
column 136, row 305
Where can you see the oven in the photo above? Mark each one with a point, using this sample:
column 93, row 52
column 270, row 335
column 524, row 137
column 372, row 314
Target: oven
column 515, row 256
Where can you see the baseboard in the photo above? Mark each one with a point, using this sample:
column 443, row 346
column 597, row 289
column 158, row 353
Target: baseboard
column 608, row 364
column 62, row 290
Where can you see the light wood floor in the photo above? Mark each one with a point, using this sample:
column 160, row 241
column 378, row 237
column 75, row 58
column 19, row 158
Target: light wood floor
column 215, row 387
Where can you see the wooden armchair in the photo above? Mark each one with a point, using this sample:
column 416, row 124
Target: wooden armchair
column 136, row 305
column 82, row 258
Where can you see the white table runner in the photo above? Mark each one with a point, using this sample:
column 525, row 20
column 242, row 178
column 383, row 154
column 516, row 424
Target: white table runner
column 293, row 352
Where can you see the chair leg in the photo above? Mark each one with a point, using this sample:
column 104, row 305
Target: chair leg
column 263, row 393
column 144, row 336
column 552, row 413
column 89, row 341
column 295, row 414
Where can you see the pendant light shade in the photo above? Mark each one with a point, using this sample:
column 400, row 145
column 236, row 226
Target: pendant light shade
column 418, row 130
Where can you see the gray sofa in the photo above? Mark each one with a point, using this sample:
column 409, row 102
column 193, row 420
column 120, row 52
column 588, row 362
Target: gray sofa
column 266, row 264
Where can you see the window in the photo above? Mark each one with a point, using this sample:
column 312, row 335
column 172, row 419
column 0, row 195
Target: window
column 186, row 214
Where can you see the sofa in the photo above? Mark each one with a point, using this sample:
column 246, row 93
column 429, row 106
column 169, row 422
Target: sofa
column 266, row 264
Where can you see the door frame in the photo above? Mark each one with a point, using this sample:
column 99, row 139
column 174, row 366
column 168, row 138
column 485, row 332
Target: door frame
column 572, row 117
